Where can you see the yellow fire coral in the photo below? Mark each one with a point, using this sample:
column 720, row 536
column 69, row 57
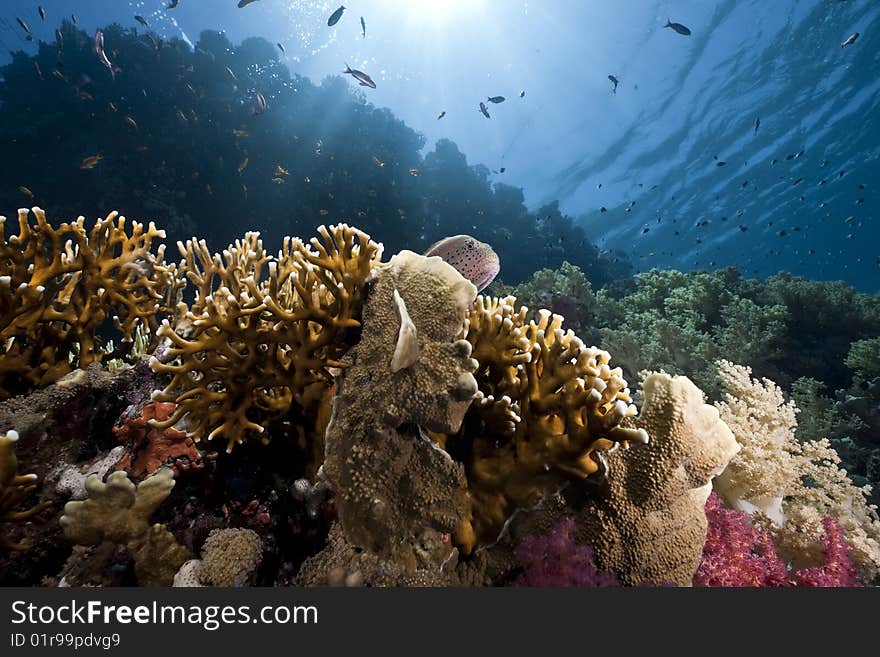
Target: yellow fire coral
column 14, row 489
column 119, row 512
column 548, row 404
column 59, row 285
column 263, row 331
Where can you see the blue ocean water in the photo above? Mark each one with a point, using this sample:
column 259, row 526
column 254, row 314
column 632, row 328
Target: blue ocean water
column 799, row 194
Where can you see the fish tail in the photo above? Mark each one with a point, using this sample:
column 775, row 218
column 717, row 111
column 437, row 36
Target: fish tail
column 668, row 23
column 347, row 68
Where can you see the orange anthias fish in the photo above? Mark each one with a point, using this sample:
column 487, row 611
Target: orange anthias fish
column 91, row 162
column 473, row 259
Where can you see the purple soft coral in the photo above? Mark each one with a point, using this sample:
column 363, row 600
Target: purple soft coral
column 738, row 554
column 556, row 560
column 838, row 569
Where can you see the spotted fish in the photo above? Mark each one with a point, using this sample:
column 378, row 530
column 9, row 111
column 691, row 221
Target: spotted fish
column 473, row 259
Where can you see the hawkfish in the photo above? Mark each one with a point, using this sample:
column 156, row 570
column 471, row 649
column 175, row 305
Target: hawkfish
column 473, row 259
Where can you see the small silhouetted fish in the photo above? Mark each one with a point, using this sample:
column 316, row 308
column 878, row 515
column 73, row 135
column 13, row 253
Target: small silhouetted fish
column 743, row 228
column 522, row 94
column 645, row 230
column 363, row 27
column 173, row 4
column 484, row 110
column 851, row 39
column 757, row 124
column 25, row 27
column 797, row 181
column 842, row 173
column 260, row 105
column 24, row 190
column 230, row 73
column 363, row 79
column 473, row 259
column 141, row 20
column 90, row 162
column 244, row 3
column 41, row 11
column 335, row 16
column 73, row 17
column 678, row 27
column 280, row 47
column 59, row 39
column 442, row 114
column 860, row 201
column 720, row 163
column 496, row 99
column 37, row 70
column 615, row 82
column 415, row 173
column 603, row 209
column 790, row 156
column 503, row 169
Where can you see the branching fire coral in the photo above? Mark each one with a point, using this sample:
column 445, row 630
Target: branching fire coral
column 14, row 489
column 58, row 286
column 263, row 331
column 547, row 404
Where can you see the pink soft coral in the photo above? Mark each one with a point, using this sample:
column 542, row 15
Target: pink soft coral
column 556, row 560
column 838, row 569
column 736, row 553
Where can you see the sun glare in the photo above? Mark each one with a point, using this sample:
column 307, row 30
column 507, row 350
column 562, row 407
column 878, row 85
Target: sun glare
column 440, row 11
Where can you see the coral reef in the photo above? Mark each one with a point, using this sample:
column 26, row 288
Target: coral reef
column 148, row 448
column 547, row 405
column 393, row 487
column 793, row 483
column 14, row 490
column 262, row 331
column 118, row 513
column 648, row 525
column 556, row 560
column 59, row 286
column 230, row 557
column 740, row 554
column 565, row 291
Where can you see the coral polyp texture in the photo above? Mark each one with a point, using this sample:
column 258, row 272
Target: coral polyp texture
column 59, row 285
column 547, row 405
column 263, row 331
column 14, row 490
column 395, row 490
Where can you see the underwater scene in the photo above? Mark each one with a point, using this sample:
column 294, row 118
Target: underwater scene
column 439, row 293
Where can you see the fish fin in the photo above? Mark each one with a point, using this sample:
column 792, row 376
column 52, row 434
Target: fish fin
column 407, row 351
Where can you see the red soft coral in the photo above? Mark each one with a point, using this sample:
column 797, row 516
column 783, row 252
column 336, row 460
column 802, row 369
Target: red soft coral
column 736, row 553
column 838, row 569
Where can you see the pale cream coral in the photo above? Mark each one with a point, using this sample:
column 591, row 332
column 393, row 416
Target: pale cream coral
column 793, row 483
column 230, row 557
column 14, row 490
column 119, row 512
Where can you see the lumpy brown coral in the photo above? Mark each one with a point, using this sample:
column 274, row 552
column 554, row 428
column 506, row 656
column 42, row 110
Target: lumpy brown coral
column 547, row 405
column 58, row 285
column 263, row 331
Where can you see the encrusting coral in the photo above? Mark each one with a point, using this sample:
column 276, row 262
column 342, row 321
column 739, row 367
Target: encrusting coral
column 394, row 488
column 263, row 331
column 230, row 557
column 58, row 286
column 648, row 524
column 148, row 448
column 14, row 489
column 547, row 405
column 118, row 512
